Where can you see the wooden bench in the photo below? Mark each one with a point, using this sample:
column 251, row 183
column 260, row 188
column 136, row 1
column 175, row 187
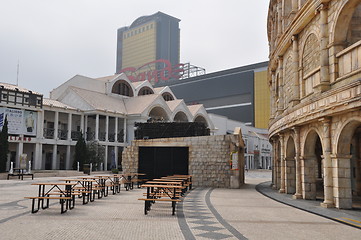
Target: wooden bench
column 148, row 202
column 62, row 202
column 20, row 175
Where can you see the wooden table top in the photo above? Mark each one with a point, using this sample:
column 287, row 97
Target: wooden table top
column 47, row 183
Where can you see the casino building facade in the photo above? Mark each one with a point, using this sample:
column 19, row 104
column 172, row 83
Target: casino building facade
column 147, row 39
column 315, row 80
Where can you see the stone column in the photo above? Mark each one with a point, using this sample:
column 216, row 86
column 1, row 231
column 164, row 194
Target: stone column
column 308, row 177
column 290, row 175
column 324, row 56
column 283, row 167
column 280, row 106
column 296, row 84
column 298, row 194
column 342, row 189
column 279, row 19
column 327, row 164
column 273, row 94
column 97, row 127
column 294, row 6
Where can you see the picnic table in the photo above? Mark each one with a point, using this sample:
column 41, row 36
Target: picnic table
column 84, row 188
column 20, row 172
column 63, row 193
column 161, row 192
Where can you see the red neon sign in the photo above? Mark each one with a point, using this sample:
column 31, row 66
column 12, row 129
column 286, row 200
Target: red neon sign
column 168, row 72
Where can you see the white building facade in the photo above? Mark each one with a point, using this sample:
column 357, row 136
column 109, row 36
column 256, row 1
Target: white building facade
column 104, row 110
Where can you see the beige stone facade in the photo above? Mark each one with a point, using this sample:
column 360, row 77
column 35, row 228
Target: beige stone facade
column 209, row 158
column 315, row 80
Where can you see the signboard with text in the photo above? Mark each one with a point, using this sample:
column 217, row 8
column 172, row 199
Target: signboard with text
column 19, row 121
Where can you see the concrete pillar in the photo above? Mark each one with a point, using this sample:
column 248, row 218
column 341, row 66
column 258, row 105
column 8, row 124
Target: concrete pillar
column 327, row 164
column 308, row 166
column 296, row 84
column 298, row 194
column 324, row 56
column 106, row 159
column 125, row 130
column 68, row 158
column 70, row 117
column 97, row 127
column 116, row 129
column 86, row 127
column 56, row 125
column 55, row 157
column 342, row 191
column 106, row 128
column 283, row 166
column 82, row 128
column 37, row 156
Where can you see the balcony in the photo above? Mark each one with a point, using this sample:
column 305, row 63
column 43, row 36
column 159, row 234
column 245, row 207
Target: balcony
column 62, row 134
column 48, row 133
column 349, row 61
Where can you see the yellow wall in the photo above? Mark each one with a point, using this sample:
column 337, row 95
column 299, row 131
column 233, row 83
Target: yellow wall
column 139, row 45
column 261, row 99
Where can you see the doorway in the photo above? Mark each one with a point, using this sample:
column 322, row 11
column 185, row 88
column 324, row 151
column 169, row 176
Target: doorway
column 157, row 162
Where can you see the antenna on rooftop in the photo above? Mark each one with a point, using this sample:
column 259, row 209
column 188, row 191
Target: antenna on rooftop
column 17, row 75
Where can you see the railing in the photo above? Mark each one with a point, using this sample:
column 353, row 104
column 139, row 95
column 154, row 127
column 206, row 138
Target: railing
column 349, row 61
column 49, row 133
column 111, row 137
column 62, row 134
column 102, row 136
column 75, row 135
column 90, row 136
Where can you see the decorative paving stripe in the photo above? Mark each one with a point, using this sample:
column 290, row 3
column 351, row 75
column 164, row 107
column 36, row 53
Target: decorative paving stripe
column 198, row 219
column 235, row 233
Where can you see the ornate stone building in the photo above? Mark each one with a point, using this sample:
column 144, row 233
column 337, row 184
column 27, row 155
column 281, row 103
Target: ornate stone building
column 315, row 80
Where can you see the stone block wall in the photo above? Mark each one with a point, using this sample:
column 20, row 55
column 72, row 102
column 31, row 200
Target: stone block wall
column 209, row 158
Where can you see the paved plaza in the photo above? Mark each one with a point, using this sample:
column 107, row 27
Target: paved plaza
column 205, row 213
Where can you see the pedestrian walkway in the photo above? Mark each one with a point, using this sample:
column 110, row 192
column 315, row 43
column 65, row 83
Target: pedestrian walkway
column 205, row 213
column 349, row 217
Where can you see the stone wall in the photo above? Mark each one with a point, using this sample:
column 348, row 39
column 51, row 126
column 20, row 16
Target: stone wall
column 209, row 158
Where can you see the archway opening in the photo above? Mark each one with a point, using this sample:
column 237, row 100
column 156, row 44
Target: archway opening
column 350, row 145
column 158, row 114
column 313, row 187
column 290, row 166
column 180, row 117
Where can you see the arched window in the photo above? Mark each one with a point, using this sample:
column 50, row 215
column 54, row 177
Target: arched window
column 167, row 97
column 354, row 30
column 145, row 91
column 122, row 88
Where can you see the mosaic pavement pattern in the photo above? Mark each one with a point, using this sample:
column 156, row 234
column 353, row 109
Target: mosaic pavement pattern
column 198, row 219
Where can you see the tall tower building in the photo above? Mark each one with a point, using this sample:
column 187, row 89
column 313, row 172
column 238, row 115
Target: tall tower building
column 147, row 39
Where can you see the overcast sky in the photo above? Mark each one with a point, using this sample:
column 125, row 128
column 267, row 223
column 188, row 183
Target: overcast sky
column 55, row 40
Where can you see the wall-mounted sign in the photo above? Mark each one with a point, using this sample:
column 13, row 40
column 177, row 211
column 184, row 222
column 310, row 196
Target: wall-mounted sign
column 234, row 160
column 19, row 121
column 149, row 71
column 19, row 139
